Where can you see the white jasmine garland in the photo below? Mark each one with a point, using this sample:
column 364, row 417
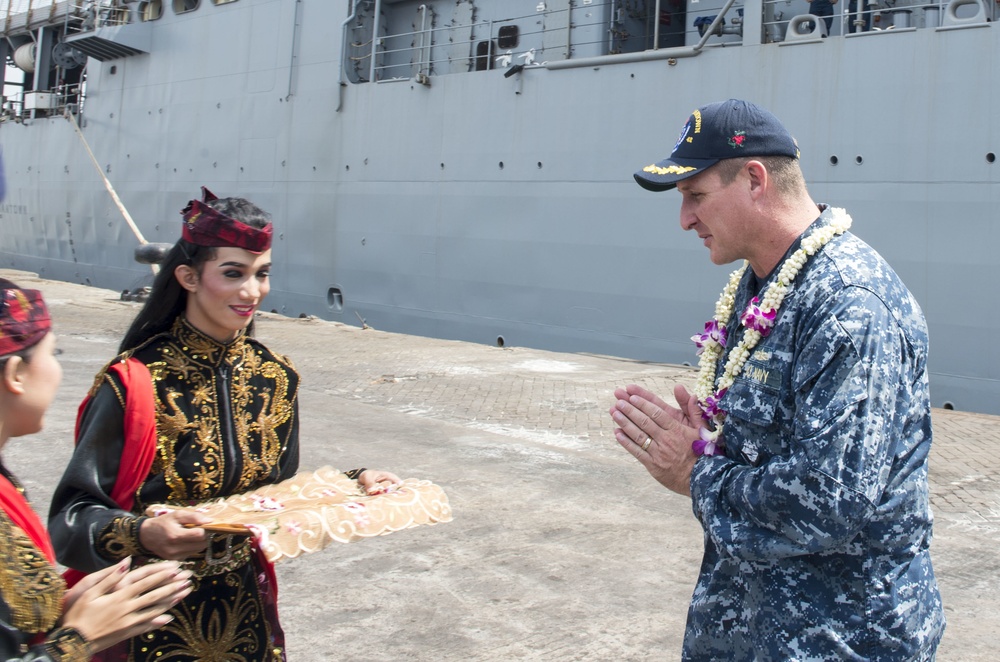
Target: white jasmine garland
column 756, row 320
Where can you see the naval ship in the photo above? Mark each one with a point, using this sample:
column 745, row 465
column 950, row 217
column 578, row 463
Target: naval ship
column 463, row 168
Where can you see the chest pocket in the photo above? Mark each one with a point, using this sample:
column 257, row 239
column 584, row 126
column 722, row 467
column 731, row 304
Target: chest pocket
column 754, row 417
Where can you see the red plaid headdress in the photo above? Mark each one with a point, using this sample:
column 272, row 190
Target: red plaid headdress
column 204, row 226
column 24, row 319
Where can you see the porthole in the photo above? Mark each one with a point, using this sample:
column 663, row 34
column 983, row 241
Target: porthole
column 335, row 299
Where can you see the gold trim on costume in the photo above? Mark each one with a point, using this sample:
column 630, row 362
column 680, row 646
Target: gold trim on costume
column 68, row 645
column 120, row 538
column 31, row 587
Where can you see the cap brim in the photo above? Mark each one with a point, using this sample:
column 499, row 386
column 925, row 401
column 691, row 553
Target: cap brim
column 664, row 175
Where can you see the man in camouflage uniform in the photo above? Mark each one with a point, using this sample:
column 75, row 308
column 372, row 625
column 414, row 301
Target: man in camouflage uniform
column 815, row 509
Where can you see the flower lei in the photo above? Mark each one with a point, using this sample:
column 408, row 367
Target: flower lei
column 757, row 320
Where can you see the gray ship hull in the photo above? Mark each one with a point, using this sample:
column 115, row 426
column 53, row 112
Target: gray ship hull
column 501, row 209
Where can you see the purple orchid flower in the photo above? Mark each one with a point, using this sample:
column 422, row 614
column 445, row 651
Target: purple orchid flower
column 710, row 408
column 708, row 443
column 714, row 332
column 757, row 319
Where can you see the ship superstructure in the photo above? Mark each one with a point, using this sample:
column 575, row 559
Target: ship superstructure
column 462, row 168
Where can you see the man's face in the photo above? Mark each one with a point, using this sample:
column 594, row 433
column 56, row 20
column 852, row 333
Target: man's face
column 713, row 210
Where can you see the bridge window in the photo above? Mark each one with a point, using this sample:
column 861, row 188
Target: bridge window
column 150, row 10
column 184, row 6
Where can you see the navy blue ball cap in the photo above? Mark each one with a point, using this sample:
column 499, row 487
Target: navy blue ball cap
column 723, row 130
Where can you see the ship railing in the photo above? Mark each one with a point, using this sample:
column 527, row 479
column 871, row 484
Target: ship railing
column 853, row 18
column 600, row 28
column 48, row 103
column 70, row 98
column 89, row 15
column 605, row 32
column 12, row 109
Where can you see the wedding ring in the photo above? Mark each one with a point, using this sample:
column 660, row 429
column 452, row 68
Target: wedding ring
column 646, row 443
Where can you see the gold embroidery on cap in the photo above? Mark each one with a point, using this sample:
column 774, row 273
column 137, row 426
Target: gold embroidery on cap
column 669, row 170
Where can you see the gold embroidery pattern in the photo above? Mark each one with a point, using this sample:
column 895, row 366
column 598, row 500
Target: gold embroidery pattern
column 67, row 644
column 275, row 410
column 30, row 585
column 116, row 389
column 190, row 430
column 228, row 553
column 669, row 170
column 230, row 630
column 120, row 538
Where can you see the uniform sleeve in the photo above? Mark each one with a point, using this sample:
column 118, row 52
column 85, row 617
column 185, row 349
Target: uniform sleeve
column 88, row 529
column 837, row 439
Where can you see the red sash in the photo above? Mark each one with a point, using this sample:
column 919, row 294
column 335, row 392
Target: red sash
column 22, row 515
column 140, row 430
column 140, row 437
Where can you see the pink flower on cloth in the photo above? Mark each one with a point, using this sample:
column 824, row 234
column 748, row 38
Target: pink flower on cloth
column 757, row 319
column 714, row 333
column 266, row 503
column 293, row 527
column 359, row 511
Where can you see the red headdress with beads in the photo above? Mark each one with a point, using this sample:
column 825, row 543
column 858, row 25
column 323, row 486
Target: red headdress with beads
column 204, row 226
column 24, row 318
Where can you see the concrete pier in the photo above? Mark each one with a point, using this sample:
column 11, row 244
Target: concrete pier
column 562, row 546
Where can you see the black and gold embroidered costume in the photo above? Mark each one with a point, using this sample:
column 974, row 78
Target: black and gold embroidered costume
column 31, row 598
column 226, row 422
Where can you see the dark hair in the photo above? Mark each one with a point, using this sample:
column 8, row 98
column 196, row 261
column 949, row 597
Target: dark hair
column 167, row 299
column 24, row 354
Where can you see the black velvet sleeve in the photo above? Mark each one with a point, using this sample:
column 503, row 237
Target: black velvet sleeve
column 288, row 464
column 61, row 645
column 89, row 531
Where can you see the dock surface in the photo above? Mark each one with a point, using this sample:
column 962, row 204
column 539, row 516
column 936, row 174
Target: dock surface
column 562, row 546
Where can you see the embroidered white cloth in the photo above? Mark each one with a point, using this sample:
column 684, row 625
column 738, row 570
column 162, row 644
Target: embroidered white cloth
column 306, row 513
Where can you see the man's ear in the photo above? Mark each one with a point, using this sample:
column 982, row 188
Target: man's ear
column 757, row 175
column 187, row 277
column 11, row 379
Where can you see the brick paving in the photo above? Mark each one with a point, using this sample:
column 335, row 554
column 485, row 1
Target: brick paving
column 562, row 547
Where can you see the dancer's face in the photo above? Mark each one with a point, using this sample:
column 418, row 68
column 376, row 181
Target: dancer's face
column 224, row 294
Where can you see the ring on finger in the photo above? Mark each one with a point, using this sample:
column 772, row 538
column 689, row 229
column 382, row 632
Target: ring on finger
column 646, row 443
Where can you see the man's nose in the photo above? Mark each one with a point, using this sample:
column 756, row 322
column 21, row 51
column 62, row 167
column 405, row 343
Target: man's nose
column 688, row 219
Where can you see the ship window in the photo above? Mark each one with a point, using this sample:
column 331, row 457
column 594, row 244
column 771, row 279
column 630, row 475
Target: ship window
column 151, row 10
column 184, row 6
column 483, row 59
column 507, row 36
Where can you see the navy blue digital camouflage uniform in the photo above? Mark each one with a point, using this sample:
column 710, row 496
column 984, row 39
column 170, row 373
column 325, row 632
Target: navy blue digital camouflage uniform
column 817, row 522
